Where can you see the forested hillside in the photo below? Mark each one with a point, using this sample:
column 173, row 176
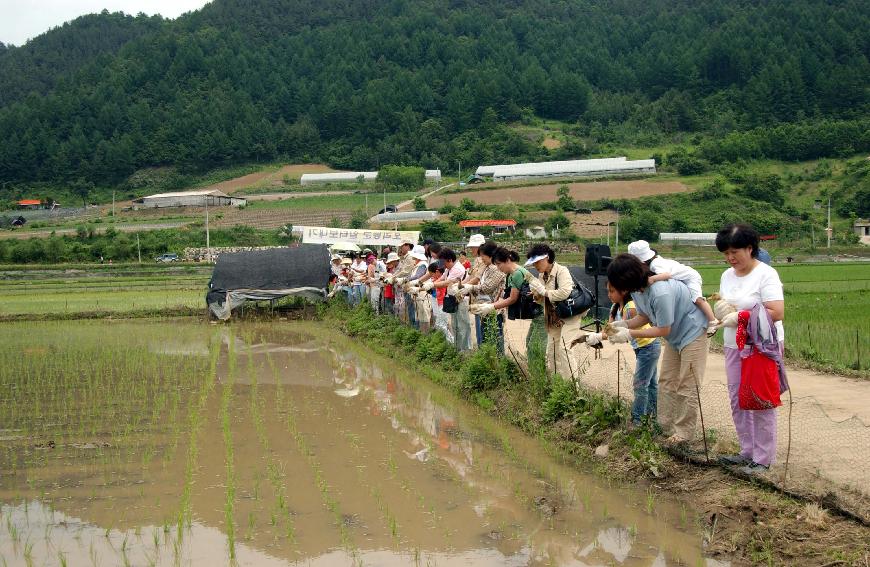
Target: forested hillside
column 369, row 82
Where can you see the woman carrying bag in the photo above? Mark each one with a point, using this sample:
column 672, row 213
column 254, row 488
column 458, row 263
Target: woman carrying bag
column 554, row 285
column 751, row 297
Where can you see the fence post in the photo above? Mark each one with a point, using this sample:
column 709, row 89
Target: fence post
column 618, row 368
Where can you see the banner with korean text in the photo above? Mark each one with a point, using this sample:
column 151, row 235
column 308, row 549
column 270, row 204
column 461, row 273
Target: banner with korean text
column 323, row 235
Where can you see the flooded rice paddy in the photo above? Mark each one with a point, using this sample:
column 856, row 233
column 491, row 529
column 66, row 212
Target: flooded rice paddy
column 179, row 443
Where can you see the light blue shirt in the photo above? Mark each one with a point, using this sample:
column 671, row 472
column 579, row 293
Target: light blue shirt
column 669, row 304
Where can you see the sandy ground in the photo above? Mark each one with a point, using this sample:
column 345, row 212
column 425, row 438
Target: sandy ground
column 628, row 189
column 830, row 422
column 551, row 143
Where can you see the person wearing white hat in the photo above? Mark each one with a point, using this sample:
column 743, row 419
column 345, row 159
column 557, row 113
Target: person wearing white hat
column 554, row 284
column 461, row 292
column 389, row 289
column 336, row 265
column 404, row 308
column 665, row 269
column 409, row 283
column 485, row 287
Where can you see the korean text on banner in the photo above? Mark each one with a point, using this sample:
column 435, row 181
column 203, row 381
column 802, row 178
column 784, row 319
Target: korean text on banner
column 324, row 235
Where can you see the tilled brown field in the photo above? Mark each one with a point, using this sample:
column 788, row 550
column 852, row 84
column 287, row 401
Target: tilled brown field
column 628, row 189
column 274, row 177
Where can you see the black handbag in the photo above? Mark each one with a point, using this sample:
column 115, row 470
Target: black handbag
column 577, row 303
column 525, row 307
column 450, row 304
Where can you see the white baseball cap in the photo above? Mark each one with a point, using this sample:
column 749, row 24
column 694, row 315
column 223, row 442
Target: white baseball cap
column 641, row 249
column 476, row 241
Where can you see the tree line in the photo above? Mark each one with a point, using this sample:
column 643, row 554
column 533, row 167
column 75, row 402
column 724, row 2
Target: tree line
column 375, row 82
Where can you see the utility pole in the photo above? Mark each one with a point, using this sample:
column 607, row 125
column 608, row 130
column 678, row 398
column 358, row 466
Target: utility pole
column 113, row 204
column 207, row 239
column 829, row 230
column 616, row 240
column 459, row 178
column 138, row 248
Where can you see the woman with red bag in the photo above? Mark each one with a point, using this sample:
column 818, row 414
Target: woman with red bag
column 750, row 287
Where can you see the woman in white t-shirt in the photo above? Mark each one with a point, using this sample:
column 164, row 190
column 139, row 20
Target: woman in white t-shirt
column 747, row 283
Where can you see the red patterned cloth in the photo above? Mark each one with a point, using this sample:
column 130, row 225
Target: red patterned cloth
column 742, row 322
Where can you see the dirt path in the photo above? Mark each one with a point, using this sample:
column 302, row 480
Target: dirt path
column 592, row 190
column 830, row 421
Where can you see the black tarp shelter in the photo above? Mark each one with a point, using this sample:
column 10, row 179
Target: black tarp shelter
column 258, row 275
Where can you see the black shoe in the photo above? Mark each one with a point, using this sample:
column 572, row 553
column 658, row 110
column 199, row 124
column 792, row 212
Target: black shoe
column 754, row 468
column 734, row 460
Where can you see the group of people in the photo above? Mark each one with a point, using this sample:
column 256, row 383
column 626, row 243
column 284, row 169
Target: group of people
column 657, row 307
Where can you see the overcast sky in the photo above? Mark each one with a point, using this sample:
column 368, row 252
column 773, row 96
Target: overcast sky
column 21, row 20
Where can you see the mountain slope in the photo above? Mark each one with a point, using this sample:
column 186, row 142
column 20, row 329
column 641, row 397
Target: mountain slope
column 362, row 83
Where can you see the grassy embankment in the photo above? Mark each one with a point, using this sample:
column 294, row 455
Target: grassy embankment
column 746, row 523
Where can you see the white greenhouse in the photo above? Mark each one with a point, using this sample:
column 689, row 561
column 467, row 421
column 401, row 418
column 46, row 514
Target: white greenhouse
column 337, row 177
column 201, row 198
column 433, row 175
column 581, row 167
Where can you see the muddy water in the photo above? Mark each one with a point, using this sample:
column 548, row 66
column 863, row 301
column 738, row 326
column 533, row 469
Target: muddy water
column 285, row 444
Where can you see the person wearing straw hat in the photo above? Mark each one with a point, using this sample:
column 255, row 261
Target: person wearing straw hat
column 554, row 284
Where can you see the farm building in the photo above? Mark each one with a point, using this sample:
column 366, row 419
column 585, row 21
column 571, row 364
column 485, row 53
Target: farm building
column 862, row 229
column 433, row 175
column 580, row 167
column 406, row 216
column 495, row 226
column 201, row 198
column 338, row 177
column 30, row 204
column 694, row 238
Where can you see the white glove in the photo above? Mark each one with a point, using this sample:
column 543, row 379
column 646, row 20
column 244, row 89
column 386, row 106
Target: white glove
column 400, row 281
column 462, row 292
column 723, row 308
column 619, row 325
column 453, row 290
column 427, row 285
column 483, row 309
column 537, row 287
column 593, row 339
column 729, row 320
column 413, row 290
column 342, row 279
column 621, row 335
column 388, row 279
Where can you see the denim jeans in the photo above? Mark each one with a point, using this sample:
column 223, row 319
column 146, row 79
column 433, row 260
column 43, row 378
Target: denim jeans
column 478, row 329
column 646, row 385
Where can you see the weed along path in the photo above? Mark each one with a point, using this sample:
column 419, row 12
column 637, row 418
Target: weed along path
column 174, row 442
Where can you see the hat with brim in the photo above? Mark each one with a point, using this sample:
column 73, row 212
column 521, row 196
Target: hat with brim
column 476, row 241
column 531, row 261
column 641, row 249
column 418, row 252
column 346, row 261
column 392, row 257
column 335, row 257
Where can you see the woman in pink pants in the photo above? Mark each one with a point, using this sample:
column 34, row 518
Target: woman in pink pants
column 748, row 282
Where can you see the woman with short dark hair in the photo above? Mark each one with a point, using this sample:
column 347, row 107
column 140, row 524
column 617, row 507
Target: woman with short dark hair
column 668, row 307
column 753, row 286
column 554, row 284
